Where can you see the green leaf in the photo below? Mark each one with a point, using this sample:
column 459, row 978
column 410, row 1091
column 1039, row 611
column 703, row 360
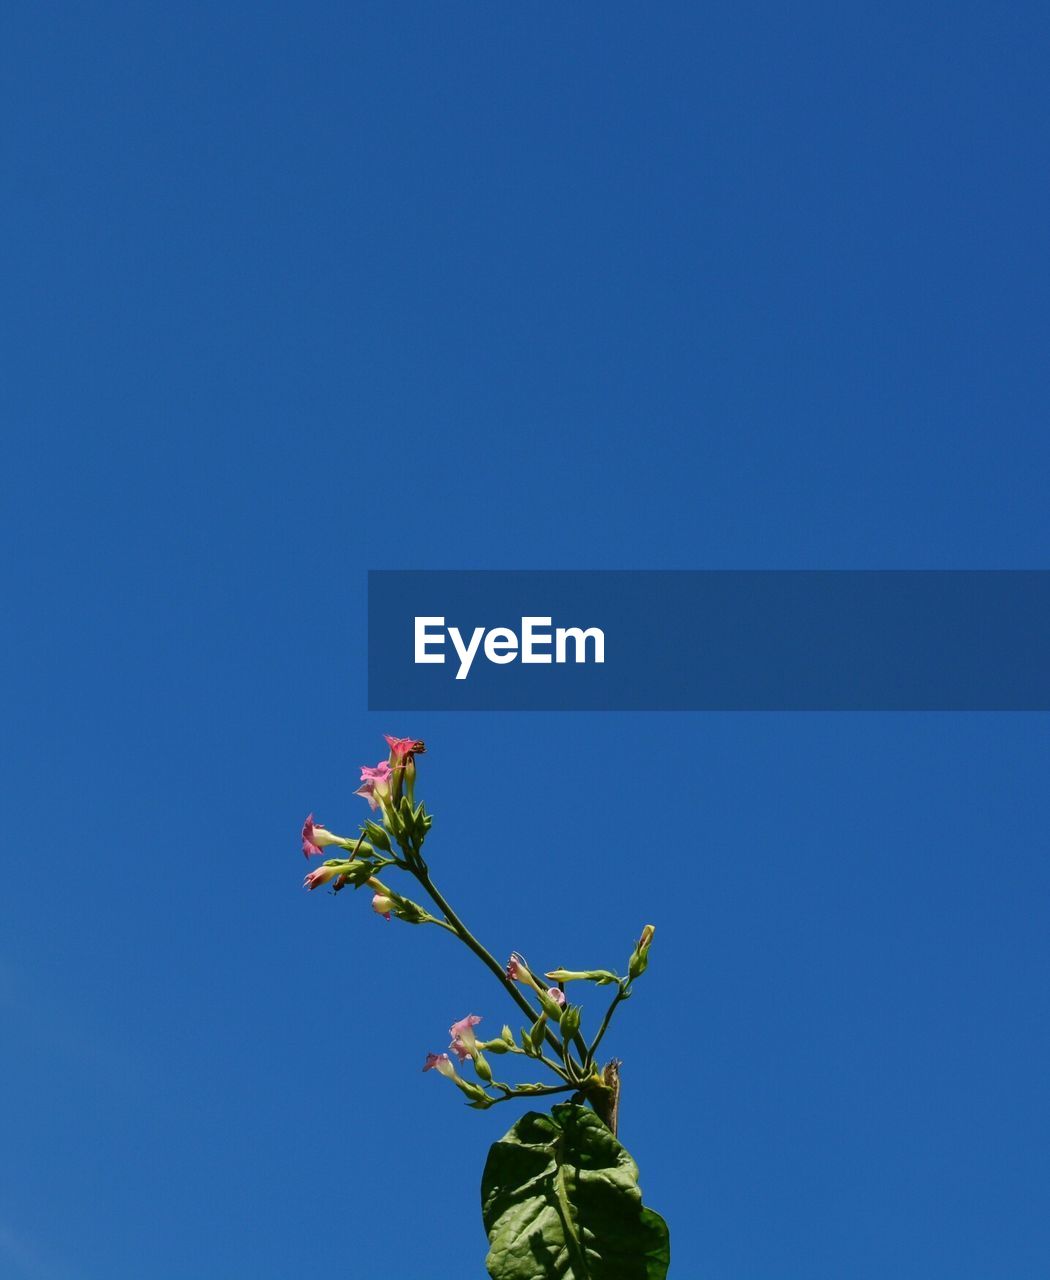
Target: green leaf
column 561, row 1201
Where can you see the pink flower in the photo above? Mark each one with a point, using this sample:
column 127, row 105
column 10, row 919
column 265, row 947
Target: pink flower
column 382, row 905
column 316, row 837
column 310, row 846
column 372, row 778
column 518, row 971
column 464, row 1045
column 440, row 1062
column 403, row 749
column 321, row 876
column 557, row 995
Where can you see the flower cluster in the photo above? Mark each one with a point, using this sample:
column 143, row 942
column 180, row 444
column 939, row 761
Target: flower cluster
column 394, row 837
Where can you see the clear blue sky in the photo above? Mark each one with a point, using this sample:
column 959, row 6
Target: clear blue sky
column 295, row 291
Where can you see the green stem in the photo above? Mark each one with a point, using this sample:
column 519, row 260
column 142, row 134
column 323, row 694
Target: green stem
column 560, row 1071
column 535, row 1093
column 467, row 938
column 621, row 995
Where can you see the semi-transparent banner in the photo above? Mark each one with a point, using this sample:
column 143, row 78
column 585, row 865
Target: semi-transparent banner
column 749, row 640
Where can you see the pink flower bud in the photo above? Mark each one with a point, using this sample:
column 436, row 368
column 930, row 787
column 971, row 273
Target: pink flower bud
column 464, row 1044
column 440, row 1062
column 371, row 779
column 382, row 905
column 557, row 995
column 403, row 749
column 518, row 971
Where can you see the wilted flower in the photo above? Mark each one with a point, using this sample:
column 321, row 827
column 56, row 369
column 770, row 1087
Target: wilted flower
column 516, row 970
column 440, row 1062
column 557, row 995
column 403, row 749
column 382, row 905
column 371, row 779
column 464, row 1044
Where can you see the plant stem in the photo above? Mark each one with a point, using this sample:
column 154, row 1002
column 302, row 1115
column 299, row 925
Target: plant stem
column 534, row 1093
column 620, row 996
column 468, row 940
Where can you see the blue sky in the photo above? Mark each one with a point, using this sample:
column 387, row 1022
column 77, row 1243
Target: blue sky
column 294, row 294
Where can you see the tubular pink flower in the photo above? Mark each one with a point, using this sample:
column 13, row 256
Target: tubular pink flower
column 321, row 876
column 382, row 905
column 372, row 778
column 516, row 970
column 310, row 846
column 316, row 837
column 440, row 1062
column 403, row 749
column 464, row 1044
column 557, row 995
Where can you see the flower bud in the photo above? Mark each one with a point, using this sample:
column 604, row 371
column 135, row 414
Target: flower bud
column 570, row 1021
column 378, row 836
column 382, row 905
column 474, row 1091
column 601, row 976
column 640, row 957
column 549, row 1002
column 482, row 1067
column 518, row 971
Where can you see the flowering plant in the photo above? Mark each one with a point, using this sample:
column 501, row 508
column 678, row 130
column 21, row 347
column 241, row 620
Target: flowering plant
column 560, row 1195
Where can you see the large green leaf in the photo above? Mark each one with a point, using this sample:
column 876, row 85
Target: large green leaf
column 560, row 1200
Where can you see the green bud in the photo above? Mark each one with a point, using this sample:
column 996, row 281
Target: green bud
column 378, row 836
column 408, row 911
column 640, row 956
column 495, row 1046
column 569, row 1021
column 482, row 1067
column 473, row 1091
column 601, row 976
column 539, row 1031
column 507, row 1035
